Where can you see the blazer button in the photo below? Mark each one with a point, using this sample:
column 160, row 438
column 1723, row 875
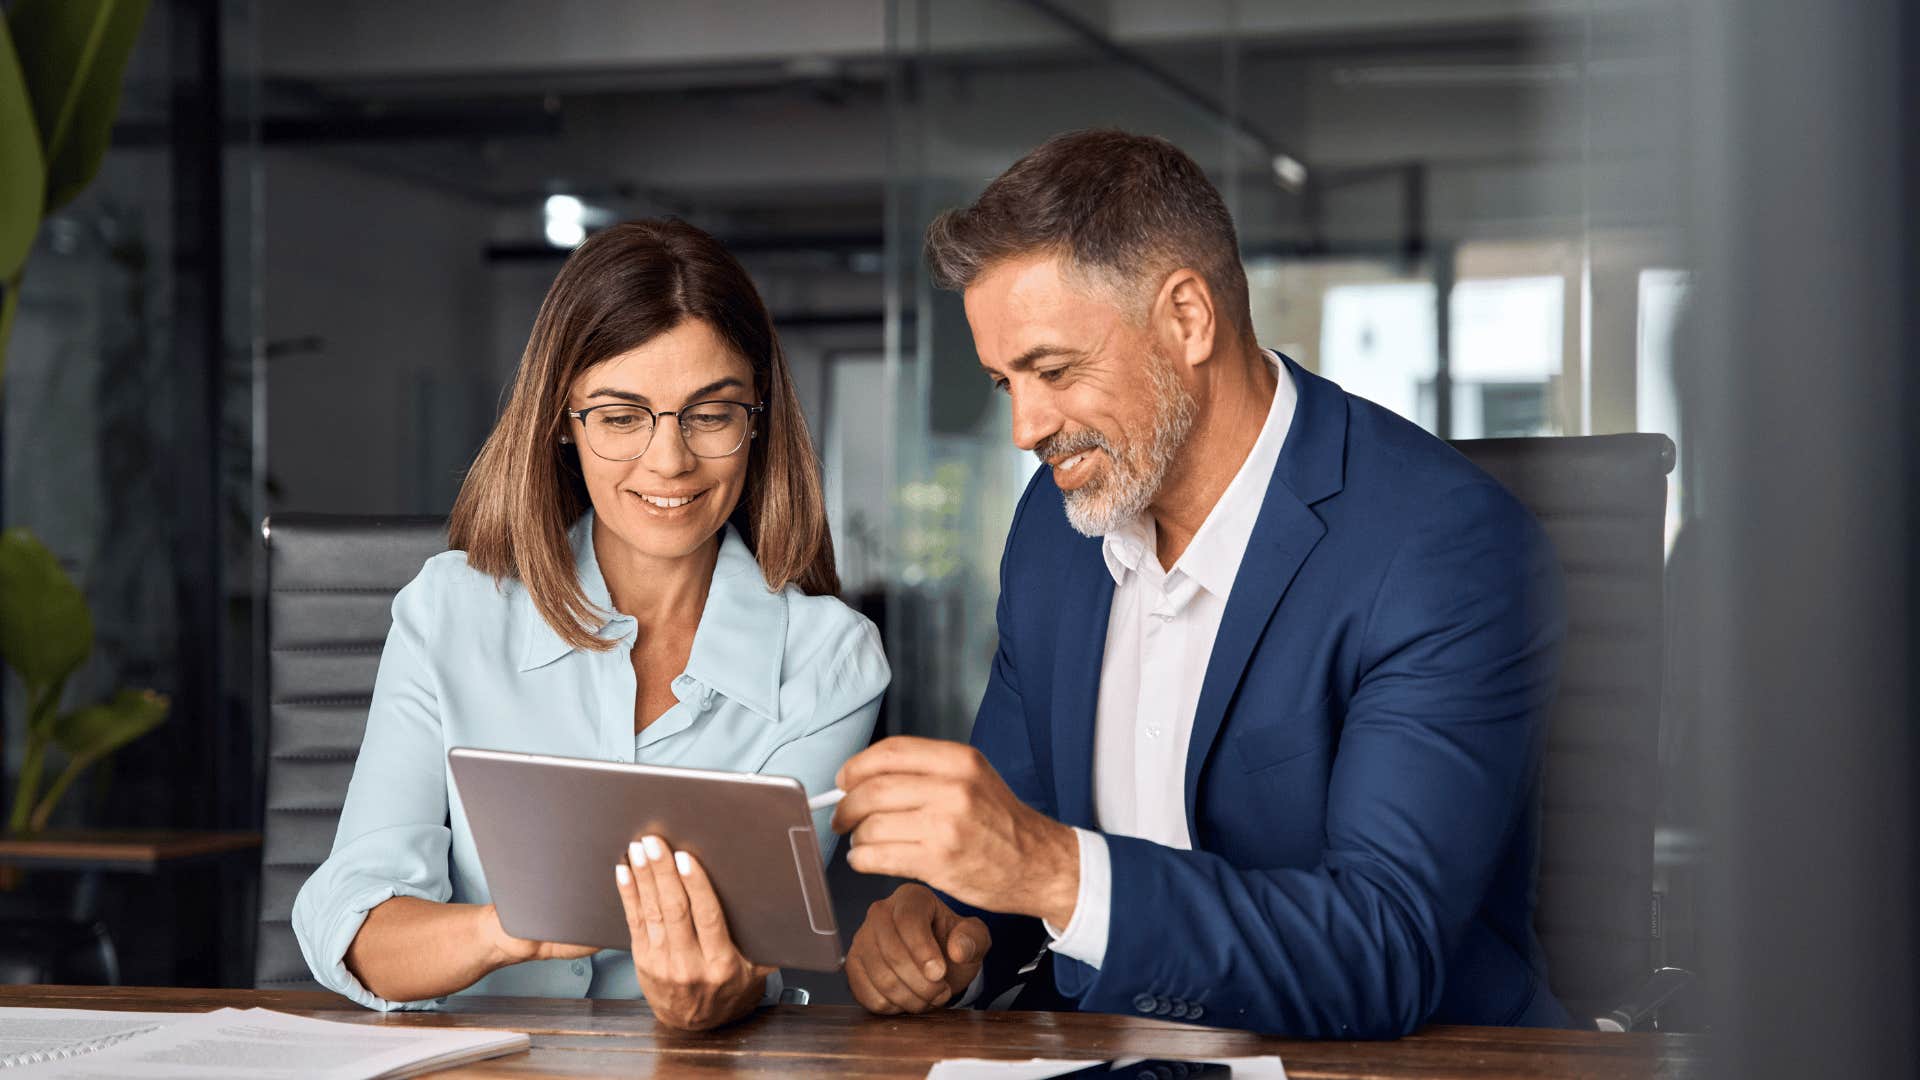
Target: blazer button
column 1163, row 1008
column 1144, row 1003
column 1179, row 1010
column 1195, row 1012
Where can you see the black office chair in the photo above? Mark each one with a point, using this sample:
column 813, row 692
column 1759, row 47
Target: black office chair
column 330, row 590
column 1602, row 500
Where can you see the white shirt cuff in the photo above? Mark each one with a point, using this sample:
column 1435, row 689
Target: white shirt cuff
column 1085, row 938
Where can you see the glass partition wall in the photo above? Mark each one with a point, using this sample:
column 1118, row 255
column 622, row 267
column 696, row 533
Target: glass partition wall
column 976, row 85
column 127, row 449
column 1464, row 212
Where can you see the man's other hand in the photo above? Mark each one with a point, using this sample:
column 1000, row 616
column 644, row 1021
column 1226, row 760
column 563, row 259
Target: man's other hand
column 913, row 953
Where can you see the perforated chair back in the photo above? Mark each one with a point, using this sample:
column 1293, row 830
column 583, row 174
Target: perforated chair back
column 331, row 586
column 1602, row 500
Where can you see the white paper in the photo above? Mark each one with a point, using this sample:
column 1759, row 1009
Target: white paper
column 1244, row 1068
column 26, row 1032
column 258, row 1044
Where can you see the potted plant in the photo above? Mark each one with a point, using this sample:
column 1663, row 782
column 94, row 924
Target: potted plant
column 61, row 65
column 46, row 633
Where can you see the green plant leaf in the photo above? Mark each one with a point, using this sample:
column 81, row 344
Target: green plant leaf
column 98, row 730
column 72, row 54
column 45, row 630
column 23, row 172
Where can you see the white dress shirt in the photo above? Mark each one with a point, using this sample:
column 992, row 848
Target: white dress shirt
column 1160, row 635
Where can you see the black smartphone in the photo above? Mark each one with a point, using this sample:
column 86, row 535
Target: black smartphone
column 1149, row 1069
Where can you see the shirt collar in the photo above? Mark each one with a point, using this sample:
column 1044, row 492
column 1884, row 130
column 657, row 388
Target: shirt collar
column 737, row 648
column 1213, row 557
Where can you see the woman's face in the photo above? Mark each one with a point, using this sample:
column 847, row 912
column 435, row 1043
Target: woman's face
column 668, row 502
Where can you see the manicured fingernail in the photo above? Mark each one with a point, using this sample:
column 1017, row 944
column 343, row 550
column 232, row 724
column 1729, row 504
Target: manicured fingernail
column 652, row 844
column 933, row 969
column 682, row 863
column 622, row 874
column 636, row 854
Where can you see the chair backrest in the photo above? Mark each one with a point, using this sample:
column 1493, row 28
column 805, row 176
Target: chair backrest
column 1602, row 500
column 330, row 594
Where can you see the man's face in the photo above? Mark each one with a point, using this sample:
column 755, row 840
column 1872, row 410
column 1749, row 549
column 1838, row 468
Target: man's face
column 1091, row 396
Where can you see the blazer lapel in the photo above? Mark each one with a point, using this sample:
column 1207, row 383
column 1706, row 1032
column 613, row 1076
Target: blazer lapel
column 1087, row 601
column 1309, row 470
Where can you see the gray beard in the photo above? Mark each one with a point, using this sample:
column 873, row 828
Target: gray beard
column 1134, row 474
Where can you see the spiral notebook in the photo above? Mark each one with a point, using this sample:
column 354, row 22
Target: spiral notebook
column 232, row 1044
column 38, row 1036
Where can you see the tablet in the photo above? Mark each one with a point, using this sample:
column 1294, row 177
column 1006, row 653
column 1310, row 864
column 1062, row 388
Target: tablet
column 550, row 829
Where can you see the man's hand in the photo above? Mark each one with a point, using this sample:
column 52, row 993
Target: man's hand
column 913, row 953
column 937, row 811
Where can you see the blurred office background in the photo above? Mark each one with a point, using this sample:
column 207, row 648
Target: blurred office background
column 311, row 260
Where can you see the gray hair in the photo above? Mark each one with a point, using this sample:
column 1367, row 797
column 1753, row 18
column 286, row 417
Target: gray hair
column 1123, row 210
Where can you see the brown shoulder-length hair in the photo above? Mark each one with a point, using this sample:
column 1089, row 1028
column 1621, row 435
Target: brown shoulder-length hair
column 621, row 288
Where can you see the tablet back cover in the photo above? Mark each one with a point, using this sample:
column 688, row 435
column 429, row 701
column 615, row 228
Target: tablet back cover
column 549, row 831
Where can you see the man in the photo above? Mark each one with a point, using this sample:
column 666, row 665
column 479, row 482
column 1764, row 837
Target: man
column 1261, row 742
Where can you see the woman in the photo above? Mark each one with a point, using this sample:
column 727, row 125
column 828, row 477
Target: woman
column 642, row 572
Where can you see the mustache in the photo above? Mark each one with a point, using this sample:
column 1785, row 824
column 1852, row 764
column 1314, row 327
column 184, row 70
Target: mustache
column 1068, row 443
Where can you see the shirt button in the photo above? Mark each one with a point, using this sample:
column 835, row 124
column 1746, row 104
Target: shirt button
column 1153, row 731
column 579, row 967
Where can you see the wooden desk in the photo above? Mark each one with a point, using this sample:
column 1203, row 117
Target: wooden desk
column 619, row 1039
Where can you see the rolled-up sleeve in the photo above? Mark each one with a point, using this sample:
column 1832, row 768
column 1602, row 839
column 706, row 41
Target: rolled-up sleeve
column 837, row 715
column 393, row 837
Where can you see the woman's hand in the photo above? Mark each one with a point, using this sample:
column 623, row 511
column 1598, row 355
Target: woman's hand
column 691, row 973
column 506, row 949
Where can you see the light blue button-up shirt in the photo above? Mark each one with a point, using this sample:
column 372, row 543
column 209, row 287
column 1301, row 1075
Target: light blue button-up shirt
column 777, row 683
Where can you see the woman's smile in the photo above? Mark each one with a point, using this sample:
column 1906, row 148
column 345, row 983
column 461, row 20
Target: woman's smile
column 662, row 504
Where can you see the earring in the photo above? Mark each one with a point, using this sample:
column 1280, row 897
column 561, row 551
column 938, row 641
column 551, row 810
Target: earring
column 565, row 439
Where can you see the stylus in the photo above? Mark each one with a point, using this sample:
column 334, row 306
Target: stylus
column 829, row 799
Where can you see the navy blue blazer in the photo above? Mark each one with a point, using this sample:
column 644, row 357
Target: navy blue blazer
column 1362, row 785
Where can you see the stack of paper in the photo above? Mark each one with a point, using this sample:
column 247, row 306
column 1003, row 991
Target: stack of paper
column 231, row 1044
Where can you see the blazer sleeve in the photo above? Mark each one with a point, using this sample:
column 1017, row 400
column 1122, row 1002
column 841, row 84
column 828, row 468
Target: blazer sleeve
column 393, row 837
column 1435, row 769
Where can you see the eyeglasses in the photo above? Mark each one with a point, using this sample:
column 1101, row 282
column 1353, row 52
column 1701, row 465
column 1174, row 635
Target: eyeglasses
column 710, row 429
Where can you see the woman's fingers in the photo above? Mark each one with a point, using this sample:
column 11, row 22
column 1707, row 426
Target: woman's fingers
column 630, row 905
column 676, row 913
column 703, row 904
column 649, row 895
